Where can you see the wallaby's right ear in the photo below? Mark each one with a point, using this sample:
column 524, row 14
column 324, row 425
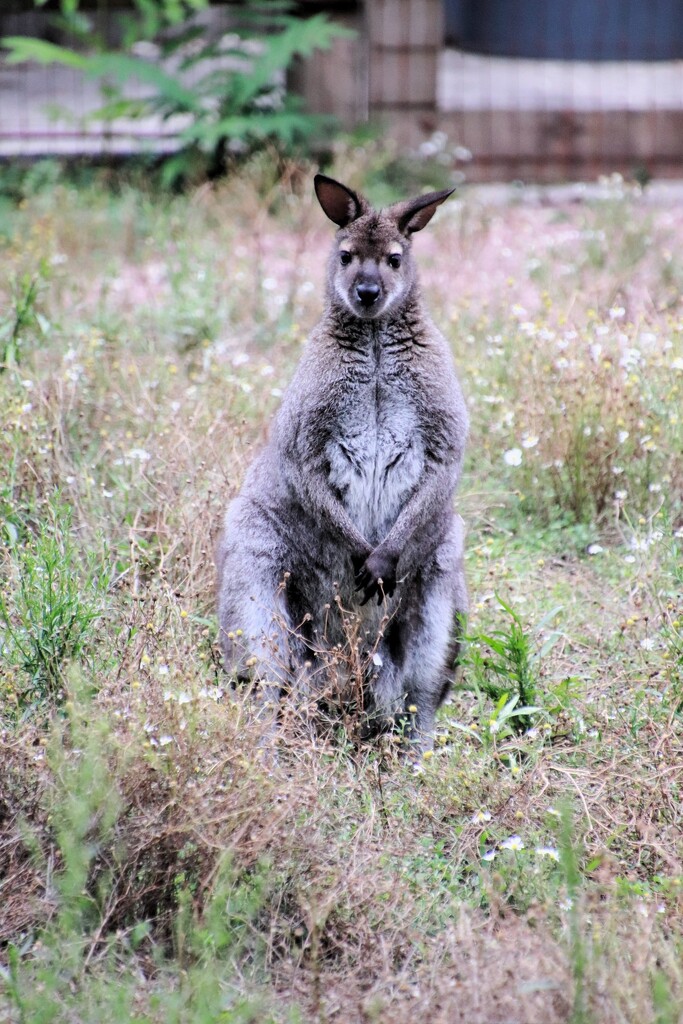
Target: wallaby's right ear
column 339, row 203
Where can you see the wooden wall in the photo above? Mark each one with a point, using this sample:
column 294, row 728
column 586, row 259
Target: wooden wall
column 405, row 38
column 387, row 73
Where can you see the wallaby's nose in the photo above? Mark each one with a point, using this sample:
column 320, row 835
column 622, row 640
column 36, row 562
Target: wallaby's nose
column 367, row 292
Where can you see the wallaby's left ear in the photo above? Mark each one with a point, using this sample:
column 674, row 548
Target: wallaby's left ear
column 340, row 203
column 415, row 214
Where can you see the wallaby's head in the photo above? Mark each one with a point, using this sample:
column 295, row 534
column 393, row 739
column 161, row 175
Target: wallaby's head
column 371, row 269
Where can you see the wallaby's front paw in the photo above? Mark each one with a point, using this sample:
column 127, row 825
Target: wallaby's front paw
column 358, row 561
column 377, row 576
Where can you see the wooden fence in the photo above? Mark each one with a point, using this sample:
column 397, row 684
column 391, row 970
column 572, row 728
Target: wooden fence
column 540, row 120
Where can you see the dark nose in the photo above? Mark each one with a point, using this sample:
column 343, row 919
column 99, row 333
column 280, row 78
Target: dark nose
column 367, row 292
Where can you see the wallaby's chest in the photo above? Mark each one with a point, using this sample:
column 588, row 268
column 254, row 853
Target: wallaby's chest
column 376, row 453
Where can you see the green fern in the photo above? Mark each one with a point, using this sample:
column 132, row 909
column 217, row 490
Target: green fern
column 237, row 99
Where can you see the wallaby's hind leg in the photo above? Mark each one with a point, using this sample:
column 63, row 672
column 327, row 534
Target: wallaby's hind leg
column 255, row 645
column 436, row 640
column 262, row 640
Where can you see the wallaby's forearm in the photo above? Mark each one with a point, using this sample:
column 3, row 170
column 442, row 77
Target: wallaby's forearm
column 314, row 493
column 425, row 503
column 339, row 520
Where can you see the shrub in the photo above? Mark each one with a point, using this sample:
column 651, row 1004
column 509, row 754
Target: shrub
column 227, row 95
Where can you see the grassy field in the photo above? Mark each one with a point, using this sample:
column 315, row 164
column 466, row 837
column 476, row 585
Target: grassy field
column 152, row 867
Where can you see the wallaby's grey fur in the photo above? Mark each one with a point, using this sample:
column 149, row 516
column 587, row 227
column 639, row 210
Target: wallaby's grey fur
column 352, row 497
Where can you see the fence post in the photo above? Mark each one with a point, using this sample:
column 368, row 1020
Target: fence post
column 405, row 38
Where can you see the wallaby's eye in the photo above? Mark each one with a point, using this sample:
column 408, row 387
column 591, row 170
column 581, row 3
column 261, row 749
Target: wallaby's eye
column 394, row 261
column 345, row 258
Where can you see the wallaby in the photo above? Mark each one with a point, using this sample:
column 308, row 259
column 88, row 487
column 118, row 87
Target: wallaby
column 351, row 499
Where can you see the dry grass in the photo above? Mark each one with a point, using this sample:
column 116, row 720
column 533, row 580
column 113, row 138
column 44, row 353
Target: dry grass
column 152, row 863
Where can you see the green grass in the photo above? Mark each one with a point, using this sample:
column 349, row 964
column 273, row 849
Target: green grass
column 153, row 867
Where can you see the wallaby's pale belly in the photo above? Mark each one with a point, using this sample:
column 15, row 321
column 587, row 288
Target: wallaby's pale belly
column 376, row 460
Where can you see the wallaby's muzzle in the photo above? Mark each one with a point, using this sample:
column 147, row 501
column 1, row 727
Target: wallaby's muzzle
column 367, row 293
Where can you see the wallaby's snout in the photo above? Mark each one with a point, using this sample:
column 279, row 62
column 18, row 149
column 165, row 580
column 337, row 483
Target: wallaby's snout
column 367, row 290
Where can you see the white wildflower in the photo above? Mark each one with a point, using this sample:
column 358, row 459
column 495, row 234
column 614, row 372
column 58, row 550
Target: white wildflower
column 631, row 358
column 513, row 457
column 138, row 454
column 513, row 843
column 212, row 692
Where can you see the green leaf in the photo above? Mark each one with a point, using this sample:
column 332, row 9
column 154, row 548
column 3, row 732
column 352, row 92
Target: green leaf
column 506, row 607
column 548, row 617
column 12, row 533
column 298, row 38
column 169, row 89
column 504, row 705
column 23, row 48
column 282, row 125
column 43, row 323
column 548, row 644
column 467, row 729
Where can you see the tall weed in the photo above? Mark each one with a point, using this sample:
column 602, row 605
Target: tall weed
column 51, row 600
column 503, row 665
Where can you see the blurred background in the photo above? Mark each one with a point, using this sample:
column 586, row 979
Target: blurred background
column 498, row 90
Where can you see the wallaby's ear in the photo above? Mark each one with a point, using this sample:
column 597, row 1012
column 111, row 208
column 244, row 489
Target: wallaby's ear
column 339, row 203
column 415, row 214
